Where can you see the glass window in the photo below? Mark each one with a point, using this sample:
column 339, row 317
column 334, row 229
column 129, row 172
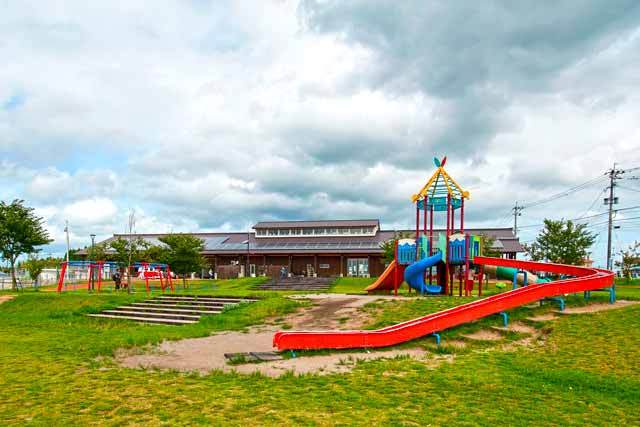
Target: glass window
column 332, row 231
column 319, row 231
column 356, row 230
column 273, row 232
column 358, row 267
column 307, row 231
column 284, row 232
column 344, row 231
column 260, row 232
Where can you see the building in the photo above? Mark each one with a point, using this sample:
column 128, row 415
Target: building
column 323, row 248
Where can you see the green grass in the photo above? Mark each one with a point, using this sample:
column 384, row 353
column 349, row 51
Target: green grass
column 351, row 285
column 53, row 373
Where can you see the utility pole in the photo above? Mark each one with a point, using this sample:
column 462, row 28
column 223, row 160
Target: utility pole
column 517, row 211
column 614, row 174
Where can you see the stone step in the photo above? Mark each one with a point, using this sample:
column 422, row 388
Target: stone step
column 188, row 303
column 206, row 299
column 145, row 319
column 212, row 309
column 119, row 312
column 153, row 309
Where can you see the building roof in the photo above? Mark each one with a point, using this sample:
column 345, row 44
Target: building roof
column 236, row 242
column 320, row 223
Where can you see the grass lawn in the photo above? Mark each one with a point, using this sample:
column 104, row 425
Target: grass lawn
column 56, row 370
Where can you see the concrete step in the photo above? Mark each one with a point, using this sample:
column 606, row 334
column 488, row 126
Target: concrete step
column 145, row 319
column 216, row 309
column 153, row 309
column 205, row 299
column 136, row 313
column 161, row 303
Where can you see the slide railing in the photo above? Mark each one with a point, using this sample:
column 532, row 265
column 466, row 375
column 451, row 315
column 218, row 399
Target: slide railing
column 583, row 279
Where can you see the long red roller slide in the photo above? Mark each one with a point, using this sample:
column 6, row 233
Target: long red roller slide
column 582, row 279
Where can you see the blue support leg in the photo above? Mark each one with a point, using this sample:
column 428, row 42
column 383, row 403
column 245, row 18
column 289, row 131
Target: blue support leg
column 437, row 338
column 515, row 279
column 505, row 318
column 612, row 294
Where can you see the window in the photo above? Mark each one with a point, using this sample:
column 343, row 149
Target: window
column 356, row 230
column 296, row 232
column 357, row 267
column 344, row 231
column 284, row 232
column 319, row 231
column 273, row 232
column 307, row 231
column 261, row 232
column 332, row 231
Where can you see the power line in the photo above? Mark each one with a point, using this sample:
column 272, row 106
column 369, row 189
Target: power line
column 585, row 217
column 563, row 193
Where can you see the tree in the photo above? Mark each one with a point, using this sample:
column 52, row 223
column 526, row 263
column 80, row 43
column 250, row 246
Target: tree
column 629, row 258
column 97, row 252
column 488, row 248
column 562, row 242
column 35, row 266
column 183, row 254
column 123, row 248
column 21, row 232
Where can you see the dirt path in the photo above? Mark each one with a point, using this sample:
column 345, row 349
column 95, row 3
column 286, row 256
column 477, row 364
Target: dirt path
column 5, row 298
column 329, row 311
column 595, row 308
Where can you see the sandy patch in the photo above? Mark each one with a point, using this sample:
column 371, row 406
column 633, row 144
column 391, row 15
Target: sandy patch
column 594, row 308
column 457, row 344
column 518, row 327
column 542, row 317
column 5, row 298
column 484, row 335
column 207, row 357
column 329, row 312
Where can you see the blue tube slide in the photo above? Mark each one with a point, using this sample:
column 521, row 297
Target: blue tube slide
column 414, row 274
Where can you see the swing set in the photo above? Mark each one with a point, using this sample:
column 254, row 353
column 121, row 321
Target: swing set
column 143, row 270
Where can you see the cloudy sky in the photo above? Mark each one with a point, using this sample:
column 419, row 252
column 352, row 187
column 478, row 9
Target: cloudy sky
column 212, row 115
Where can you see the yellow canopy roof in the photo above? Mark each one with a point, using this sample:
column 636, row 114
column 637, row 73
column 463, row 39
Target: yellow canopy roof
column 441, row 184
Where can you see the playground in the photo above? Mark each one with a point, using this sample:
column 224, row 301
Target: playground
column 445, row 335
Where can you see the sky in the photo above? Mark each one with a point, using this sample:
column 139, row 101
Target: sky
column 213, row 115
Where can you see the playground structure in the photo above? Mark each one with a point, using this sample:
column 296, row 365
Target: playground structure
column 449, row 253
column 415, row 260
column 95, row 272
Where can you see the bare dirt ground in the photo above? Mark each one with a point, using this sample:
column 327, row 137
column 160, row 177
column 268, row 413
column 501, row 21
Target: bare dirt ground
column 5, row 298
column 484, row 335
column 329, row 311
column 594, row 308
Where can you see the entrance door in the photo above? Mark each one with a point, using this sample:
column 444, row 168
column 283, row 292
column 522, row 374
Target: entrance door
column 357, row 267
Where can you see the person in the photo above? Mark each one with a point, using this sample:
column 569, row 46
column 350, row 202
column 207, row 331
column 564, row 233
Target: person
column 283, row 272
column 117, row 279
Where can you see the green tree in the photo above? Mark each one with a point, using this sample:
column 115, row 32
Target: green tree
column 21, row 232
column 34, row 266
column 183, row 254
column 97, row 252
column 127, row 250
column 629, row 258
column 488, row 248
column 561, row 242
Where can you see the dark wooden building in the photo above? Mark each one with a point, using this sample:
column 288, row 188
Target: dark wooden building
column 323, row 248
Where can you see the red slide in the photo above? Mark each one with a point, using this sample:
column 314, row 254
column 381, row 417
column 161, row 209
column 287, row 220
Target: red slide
column 584, row 279
column 386, row 279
